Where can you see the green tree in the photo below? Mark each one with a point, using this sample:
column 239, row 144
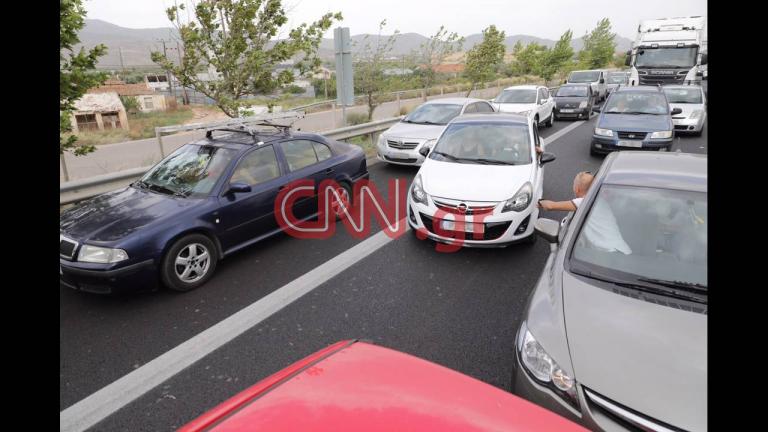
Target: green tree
column 236, row 37
column 485, row 58
column 76, row 72
column 558, row 57
column 599, row 46
column 433, row 52
column 369, row 70
column 530, row 59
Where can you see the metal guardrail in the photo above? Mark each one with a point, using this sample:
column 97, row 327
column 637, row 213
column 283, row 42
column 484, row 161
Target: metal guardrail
column 78, row 190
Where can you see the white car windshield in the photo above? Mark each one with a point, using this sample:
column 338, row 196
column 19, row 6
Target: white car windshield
column 679, row 95
column 645, row 235
column 517, row 96
column 584, row 77
column 433, row 114
column 484, row 143
column 617, row 78
column 636, row 103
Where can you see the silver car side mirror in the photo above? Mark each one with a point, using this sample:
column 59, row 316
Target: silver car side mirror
column 548, row 229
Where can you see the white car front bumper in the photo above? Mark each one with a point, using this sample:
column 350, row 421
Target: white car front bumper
column 499, row 229
column 690, row 125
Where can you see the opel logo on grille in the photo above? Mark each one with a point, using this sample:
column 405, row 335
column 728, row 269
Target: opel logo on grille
column 462, row 208
column 631, row 135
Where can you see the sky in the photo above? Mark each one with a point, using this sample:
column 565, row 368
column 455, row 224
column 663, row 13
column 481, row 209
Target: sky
column 541, row 18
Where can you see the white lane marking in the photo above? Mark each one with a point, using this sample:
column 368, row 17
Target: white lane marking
column 116, row 395
column 561, row 132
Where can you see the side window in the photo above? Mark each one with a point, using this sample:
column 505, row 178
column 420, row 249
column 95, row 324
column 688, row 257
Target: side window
column 541, row 94
column 483, row 107
column 299, row 154
column 536, row 139
column 256, row 167
column 471, row 108
column 322, row 150
column 546, row 93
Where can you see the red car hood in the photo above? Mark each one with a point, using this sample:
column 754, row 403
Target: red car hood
column 353, row 386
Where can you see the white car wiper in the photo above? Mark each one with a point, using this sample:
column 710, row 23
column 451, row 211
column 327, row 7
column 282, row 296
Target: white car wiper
column 654, row 289
column 687, row 286
column 491, row 161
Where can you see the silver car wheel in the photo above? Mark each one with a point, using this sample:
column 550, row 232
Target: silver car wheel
column 192, row 263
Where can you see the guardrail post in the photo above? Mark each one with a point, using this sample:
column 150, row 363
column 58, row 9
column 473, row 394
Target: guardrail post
column 160, row 144
column 64, row 167
column 398, row 103
column 333, row 113
column 442, row 92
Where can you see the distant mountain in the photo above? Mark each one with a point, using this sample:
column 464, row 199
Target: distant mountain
column 137, row 44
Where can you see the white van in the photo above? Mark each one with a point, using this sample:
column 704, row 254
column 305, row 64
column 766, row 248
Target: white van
column 596, row 80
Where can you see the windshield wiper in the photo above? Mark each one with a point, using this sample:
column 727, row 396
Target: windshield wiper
column 141, row 184
column 666, row 291
column 687, row 286
column 491, row 161
column 166, row 190
column 452, row 157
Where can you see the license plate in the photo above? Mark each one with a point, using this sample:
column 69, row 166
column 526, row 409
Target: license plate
column 469, row 227
column 567, row 110
column 630, row 143
column 399, row 155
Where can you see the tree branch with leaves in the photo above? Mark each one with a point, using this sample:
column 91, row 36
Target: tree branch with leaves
column 76, row 72
column 599, row 46
column 485, row 58
column 369, row 68
column 236, row 37
column 433, row 53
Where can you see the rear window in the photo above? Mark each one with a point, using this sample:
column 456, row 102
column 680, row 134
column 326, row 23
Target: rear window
column 583, row 77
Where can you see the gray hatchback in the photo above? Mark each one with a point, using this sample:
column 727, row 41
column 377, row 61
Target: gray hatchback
column 615, row 331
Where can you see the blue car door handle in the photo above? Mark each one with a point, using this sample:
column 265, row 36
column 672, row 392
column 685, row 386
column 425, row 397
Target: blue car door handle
column 329, row 170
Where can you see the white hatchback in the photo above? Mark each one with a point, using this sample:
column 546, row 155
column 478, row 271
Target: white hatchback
column 692, row 100
column 480, row 182
column 400, row 144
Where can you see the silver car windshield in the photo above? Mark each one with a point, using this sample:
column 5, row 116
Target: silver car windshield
column 681, row 95
column 484, row 143
column 433, row 114
column 646, row 235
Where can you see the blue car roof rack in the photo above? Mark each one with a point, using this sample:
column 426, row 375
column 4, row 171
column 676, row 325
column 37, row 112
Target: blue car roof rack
column 243, row 125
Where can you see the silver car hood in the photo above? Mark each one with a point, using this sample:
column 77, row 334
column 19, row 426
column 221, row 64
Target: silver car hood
column 414, row 131
column 649, row 357
column 687, row 108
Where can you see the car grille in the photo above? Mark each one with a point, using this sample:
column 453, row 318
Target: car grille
column 493, row 230
column 67, row 247
column 403, row 160
column 470, row 209
column 626, row 417
column 632, row 135
column 402, row 145
column 681, row 127
column 661, row 79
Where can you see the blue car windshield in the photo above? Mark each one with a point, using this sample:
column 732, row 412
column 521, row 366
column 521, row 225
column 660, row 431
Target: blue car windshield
column 191, row 171
column 637, row 103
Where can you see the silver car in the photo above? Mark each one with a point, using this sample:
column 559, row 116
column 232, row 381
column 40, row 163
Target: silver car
column 400, row 144
column 692, row 100
column 615, row 332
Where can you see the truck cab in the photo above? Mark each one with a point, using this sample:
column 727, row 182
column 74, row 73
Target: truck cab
column 669, row 51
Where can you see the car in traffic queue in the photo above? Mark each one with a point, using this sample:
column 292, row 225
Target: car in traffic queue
column 692, row 101
column 531, row 100
column 614, row 334
column 595, row 79
column 400, row 144
column 573, row 101
column 614, row 79
column 480, row 181
column 357, row 386
column 634, row 118
column 205, row 201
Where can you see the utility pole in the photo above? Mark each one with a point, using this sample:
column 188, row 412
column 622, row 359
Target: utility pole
column 122, row 63
column 168, row 74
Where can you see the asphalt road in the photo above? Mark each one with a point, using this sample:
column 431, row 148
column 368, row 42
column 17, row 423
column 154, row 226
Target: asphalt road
column 115, row 157
column 459, row 309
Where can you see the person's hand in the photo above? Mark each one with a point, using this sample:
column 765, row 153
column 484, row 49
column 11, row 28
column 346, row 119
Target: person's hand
column 539, row 150
column 545, row 204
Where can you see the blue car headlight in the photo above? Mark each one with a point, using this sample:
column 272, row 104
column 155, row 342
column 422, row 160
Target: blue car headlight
column 96, row 254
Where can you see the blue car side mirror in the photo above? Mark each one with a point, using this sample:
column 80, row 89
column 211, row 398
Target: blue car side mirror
column 238, row 188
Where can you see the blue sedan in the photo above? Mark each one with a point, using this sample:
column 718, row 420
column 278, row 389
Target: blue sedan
column 205, row 201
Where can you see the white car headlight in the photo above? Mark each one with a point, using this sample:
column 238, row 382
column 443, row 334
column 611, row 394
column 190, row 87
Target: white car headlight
column 382, row 140
column 583, row 104
column 521, row 200
column 696, row 114
column 542, row 367
column 603, row 132
column 662, row 134
column 95, row 254
column 417, row 191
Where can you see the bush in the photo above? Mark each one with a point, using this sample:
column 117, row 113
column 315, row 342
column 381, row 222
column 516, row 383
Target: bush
column 294, row 89
column 130, row 103
column 356, row 118
column 404, row 110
